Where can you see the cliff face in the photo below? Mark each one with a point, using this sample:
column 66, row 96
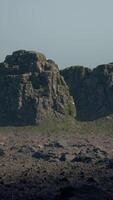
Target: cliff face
column 92, row 90
column 32, row 89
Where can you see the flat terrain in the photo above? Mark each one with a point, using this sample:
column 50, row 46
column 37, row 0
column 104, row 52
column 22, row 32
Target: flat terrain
column 37, row 165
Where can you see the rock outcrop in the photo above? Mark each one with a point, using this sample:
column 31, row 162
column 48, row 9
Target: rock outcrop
column 32, row 89
column 92, row 90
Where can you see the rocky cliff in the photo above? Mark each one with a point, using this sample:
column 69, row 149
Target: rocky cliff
column 32, row 89
column 92, row 90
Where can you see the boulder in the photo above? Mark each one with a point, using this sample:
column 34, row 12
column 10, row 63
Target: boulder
column 32, row 89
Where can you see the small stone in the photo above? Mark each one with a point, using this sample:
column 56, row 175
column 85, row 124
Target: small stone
column 2, row 153
column 41, row 155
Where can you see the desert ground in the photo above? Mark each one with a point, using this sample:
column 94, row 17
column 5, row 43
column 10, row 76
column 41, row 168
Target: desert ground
column 55, row 166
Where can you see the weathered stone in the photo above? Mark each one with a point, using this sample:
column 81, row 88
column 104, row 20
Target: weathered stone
column 2, row 153
column 92, row 90
column 41, row 155
column 32, row 89
column 69, row 157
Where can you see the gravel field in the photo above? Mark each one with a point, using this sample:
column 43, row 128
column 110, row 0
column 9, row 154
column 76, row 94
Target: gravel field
column 35, row 166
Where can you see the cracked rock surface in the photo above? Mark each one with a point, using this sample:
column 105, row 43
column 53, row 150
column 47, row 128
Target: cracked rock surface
column 32, row 90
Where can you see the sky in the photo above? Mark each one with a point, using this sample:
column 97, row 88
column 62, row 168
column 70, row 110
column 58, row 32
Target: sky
column 71, row 32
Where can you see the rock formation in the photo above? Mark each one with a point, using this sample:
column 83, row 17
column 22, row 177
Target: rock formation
column 32, row 89
column 92, row 90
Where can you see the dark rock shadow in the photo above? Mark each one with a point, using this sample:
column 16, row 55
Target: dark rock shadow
column 50, row 187
column 92, row 90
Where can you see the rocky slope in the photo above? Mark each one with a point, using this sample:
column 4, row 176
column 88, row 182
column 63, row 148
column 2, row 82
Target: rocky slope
column 92, row 90
column 32, row 89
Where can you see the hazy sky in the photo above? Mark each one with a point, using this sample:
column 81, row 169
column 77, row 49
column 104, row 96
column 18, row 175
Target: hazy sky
column 70, row 32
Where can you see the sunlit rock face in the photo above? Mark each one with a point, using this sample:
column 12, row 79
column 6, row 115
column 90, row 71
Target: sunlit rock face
column 32, row 89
